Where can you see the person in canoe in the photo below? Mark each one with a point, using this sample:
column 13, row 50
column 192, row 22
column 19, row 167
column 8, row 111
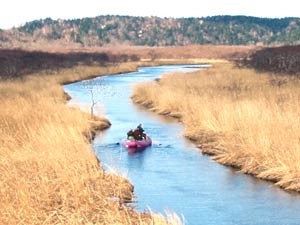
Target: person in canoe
column 137, row 134
column 141, row 134
column 140, row 129
column 130, row 135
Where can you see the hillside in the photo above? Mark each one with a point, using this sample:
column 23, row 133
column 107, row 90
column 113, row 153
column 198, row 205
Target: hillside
column 155, row 31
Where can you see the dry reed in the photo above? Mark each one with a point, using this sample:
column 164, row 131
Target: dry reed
column 245, row 119
column 48, row 173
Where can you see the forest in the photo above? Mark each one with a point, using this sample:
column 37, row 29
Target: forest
column 156, row 31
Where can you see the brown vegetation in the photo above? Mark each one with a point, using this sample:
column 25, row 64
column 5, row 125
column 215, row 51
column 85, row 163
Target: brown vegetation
column 48, row 173
column 187, row 52
column 245, row 119
column 285, row 59
column 14, row 62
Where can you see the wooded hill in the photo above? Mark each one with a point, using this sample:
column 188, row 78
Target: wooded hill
column 155, row 31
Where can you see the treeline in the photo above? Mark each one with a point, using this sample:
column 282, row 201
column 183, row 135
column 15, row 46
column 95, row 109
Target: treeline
column 19, row 62
column 155, row 31
column 285, row 59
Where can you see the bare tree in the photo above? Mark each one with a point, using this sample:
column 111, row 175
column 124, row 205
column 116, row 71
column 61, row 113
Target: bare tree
column 98, row 90
column 93, row 104
column 92, row 87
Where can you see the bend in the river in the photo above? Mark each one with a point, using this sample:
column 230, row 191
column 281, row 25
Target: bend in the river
column 172, row 174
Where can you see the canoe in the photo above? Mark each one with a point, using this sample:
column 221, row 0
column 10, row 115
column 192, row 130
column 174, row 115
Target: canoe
column 138, row 143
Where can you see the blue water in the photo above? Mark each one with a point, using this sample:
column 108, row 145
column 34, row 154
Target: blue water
column 173, row 175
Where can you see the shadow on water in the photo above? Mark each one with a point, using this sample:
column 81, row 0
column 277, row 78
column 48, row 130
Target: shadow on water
column 172, row 174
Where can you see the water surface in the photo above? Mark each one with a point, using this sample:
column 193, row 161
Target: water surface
column 172, row 174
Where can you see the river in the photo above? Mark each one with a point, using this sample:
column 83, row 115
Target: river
column 173, row 175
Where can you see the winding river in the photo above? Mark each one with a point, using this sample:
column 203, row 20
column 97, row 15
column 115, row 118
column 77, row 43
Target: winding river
column 173, row 175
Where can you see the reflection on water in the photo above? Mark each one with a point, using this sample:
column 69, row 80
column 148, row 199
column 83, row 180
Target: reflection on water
column 172, row 174
column 135, row 150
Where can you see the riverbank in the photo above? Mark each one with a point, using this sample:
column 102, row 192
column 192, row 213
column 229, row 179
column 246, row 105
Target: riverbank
column 244, row 119
column 49, row 175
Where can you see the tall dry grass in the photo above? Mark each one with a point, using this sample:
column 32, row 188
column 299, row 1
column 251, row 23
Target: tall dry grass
column 245, row 119
column 48, row 173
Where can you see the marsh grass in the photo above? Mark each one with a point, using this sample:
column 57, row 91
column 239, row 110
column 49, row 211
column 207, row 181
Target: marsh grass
column 244, row 119
column 48, row 173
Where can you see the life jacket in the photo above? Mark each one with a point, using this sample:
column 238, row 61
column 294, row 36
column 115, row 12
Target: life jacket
column 136, row 133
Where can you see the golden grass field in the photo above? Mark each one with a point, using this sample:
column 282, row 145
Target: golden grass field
column 244, row 119
column 48, row 173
